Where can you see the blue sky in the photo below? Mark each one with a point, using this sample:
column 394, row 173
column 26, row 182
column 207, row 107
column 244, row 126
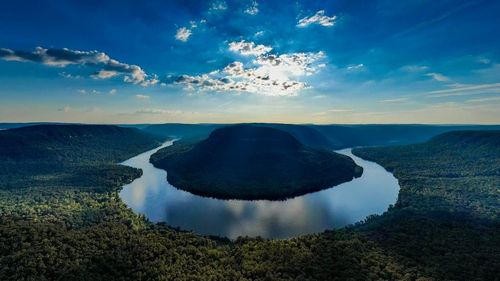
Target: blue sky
column 338, row 61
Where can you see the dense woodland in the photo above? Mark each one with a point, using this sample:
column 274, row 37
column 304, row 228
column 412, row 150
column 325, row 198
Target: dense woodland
column 71, row 225
column 252, row 162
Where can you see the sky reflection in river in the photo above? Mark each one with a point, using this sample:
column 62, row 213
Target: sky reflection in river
column 336, row 207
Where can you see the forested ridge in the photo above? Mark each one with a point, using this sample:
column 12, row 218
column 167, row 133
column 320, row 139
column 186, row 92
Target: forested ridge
column 252, row 162
column 74, row 227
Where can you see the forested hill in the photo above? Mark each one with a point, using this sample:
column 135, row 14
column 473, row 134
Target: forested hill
column 69, row 155
column 253, row 162
column 305, row 134
column 479, row 140
column 74, row 143
column 456, row 172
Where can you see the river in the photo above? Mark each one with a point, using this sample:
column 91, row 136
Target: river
column 344, row 204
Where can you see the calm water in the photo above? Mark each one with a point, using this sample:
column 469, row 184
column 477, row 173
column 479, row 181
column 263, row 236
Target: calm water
column 336, row 207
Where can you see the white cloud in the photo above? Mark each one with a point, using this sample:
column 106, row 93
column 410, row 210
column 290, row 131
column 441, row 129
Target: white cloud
column 158, row 111
column 253, row 9
column 318, row 18
column 183, row 34
column 112, row 92
column 355, row 67
column 249, row 48
column 69, row 75
column 393, row 101
column 142, row 97
column 218, row 6
column 258, row 33
column 438, row 77
column 414, row 68
column 481, row 100
column 64, row 57
column 464, row 90
column 267, row 74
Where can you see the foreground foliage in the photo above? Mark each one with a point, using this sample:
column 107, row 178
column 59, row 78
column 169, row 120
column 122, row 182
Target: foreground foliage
column 78, row 229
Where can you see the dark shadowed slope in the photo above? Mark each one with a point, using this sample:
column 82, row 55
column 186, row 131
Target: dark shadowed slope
column 72, row 154
column 253, row 162
column 61, row 141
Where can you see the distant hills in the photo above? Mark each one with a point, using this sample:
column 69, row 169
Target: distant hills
column 321, row 136
column 253, row 162
column 330, row 136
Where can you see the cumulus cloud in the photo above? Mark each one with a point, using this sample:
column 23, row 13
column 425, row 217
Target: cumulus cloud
column 253, row 9
column 267, row 74
column 183, row 34
column 438, row 77
column 249, row 48
column 64, row 57
column 318, row 18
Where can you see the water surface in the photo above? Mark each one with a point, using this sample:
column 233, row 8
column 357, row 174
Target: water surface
column 344, row 204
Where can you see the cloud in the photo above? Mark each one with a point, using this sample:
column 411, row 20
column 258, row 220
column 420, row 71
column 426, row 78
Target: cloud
column 318, row 18
column 65, row 57
column 157, row 111
column 183, row 34
column 253, row 9
column 414, row 68
column 355, row 67
column 267, row 74
column 481, row 100
column 258, row 33
column 393, row 101
column 438, row 77
column 112, row 92
column 333, row 111
column 249, row 48
column 105, row 74
column 141, row 97
column 464, row 90
column 65, row 109
column 69, row 75
column 218, row 6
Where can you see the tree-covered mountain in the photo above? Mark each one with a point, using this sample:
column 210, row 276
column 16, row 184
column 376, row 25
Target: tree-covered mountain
column 73, row 143
column 30, row 156
column 253, row 162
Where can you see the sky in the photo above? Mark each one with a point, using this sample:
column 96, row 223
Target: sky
column 221, row 61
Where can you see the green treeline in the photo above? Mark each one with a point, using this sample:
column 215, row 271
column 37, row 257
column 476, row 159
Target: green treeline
column 73, row 226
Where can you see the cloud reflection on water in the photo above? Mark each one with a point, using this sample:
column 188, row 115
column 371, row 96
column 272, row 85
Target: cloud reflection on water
column 336, row 207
